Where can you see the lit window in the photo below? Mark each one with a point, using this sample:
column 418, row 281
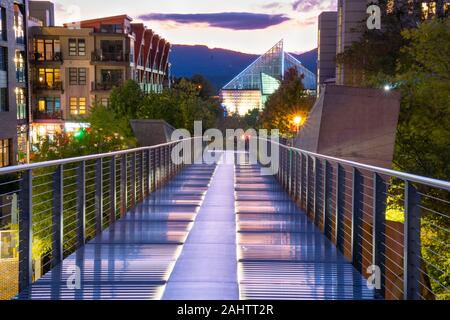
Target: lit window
column 41, row 105
column 82, row 105
column 73, row 106
column 77, row 106
column 428, row 10
column 5, row 152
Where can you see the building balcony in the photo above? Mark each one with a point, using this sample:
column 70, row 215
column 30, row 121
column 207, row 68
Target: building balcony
column 47, row 115
column 55, row 86
column 110, row 57
column 104, row 86
column 39, row 58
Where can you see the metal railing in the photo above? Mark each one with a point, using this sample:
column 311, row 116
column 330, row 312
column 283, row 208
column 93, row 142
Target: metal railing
column 57, row 206
column 388, row 222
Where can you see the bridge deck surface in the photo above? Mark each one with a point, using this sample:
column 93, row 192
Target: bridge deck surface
column 222, row 232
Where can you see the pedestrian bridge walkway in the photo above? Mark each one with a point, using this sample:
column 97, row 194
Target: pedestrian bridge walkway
column 213, row 232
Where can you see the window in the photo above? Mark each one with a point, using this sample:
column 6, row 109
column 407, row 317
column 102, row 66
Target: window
column 77, row 76
column 82, row 76
column 111, row 28
column 47, row 49
column 20, row 66
column 77, row 106
column 112, row 76
column 49, row 77
column 4, row 100
column 3, row 31
column 3, row 58
column 77, row 47
column 428, row 10
column 18, row 25
column 72, row 47
column 21, row 104
column 5, row 152
column 49, row 105
column 81, row 47
column 73, row 76
column 104, row 101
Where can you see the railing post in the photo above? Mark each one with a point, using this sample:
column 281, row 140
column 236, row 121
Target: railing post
column 339, row 232
column 123, row 185
column 81, row 204
column 379, row 229
column 294, row 175
column 288, row 171
column 147, row 175
column 158, row 167
column 112, row 190
column 133, row 179
column 412, row 254
column 26, row 231
column 141, row 176
column 308, row 182
column 152, row 170
column 357, row 217
column 316, row 190
column 302, row 179
column 98, row 196
column 57, row 216
column 327, row 199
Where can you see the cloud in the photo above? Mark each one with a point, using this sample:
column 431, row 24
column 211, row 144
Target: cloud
column 225, row 20
column 313, row 5
column 272, row 5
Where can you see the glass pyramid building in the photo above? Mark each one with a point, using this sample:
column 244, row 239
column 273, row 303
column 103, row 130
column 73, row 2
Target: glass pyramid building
column 251, row 88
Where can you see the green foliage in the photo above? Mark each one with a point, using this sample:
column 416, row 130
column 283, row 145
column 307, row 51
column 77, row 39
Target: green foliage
column 126, row 100
column 251, row 119
column 289, row 101
column 416, row 62
column 180, row 106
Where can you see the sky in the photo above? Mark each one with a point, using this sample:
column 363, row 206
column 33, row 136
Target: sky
column 250, row 26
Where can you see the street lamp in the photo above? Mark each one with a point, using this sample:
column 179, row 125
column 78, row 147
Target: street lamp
column 298, row 122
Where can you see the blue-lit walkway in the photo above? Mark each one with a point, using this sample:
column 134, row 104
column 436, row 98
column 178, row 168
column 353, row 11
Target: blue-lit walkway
column 214, row 232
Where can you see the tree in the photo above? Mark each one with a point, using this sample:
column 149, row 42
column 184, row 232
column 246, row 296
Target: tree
column 290, row 100
column 205, row 87
column 127, row 99
column 424, row 80
column 181, row 106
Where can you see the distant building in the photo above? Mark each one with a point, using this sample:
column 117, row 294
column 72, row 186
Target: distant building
column 43, row 11
column 351, row 15
column 14, row 107
column 251, row 88
column 350, row 24
column 77, row 65
column 326, row 49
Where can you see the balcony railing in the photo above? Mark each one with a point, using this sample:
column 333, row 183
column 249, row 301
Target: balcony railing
column 104, row 86
column 47, row 115
column 56, row 86
column 56, row 212
column 110, row 57
column 38, row 57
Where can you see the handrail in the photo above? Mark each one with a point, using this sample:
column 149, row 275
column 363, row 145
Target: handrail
column 398, row 174
column 50, row 163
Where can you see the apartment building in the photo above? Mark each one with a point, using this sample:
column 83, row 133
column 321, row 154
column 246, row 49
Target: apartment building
column 326, row 49
column 349, row 25
column 77, row 65
column 14, row 106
